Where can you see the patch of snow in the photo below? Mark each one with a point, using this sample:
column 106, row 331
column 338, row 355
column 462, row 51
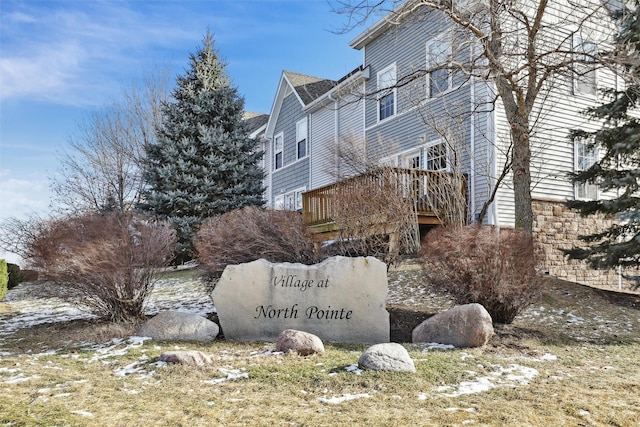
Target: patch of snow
column 83, row 413
column 231, row 375
column 511, row 376
column 344, row 398
column 437, row 346
column 354, row 368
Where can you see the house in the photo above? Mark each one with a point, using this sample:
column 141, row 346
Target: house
column 411, row 104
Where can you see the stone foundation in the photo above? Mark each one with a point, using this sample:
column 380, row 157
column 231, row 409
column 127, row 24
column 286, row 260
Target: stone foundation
column 557, row 227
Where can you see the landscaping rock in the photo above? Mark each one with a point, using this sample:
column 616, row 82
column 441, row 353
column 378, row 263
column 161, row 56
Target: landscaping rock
column 390, row 357
column 303, row 343
column 342, row 299
column 179, row 326
column 190, row 357
column 467, row 325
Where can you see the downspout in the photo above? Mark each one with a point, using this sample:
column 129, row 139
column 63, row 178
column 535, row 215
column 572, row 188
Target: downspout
column 495, row 220
column 336, row 137
column 268, row 164
column 472, row 160
column 310, row 149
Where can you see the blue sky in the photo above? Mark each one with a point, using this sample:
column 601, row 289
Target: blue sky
column 61, row 59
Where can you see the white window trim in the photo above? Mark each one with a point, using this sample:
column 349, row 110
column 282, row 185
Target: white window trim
column 275, row 151
column 442, row 38
column 280, row 201
column 447, row 155
column 576, row 41
column 382, row 94
column 300, row 137
column 576, row 168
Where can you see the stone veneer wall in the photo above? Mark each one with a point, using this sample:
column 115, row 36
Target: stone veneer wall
column 555, row 227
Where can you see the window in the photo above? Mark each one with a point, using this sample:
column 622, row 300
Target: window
column 301, row 138
column 411, row 160
column 291, row 201
column 584, row 81
column 438, row 58
column 278, row 202
column 387, row 92
column 585, row 156
column 277, row 152
column 436, row 157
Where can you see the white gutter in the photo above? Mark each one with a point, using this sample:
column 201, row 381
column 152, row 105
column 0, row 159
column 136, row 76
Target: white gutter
column 472, row 160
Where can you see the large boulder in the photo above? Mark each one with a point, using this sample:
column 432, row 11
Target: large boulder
column 179, row 326
column 185, row 357
column 390, row 357
column 301, row 342
column 467, row 325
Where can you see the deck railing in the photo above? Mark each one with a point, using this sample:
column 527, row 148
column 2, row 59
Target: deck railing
column 428, row 189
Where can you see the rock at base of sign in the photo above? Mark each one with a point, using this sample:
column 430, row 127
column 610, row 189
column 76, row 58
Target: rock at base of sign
column 467, row 325
column 303, row 343
column 179, row 326
column 391, row 357
column 189, row 357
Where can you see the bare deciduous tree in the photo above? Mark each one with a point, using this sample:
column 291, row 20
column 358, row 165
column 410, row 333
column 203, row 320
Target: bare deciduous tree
column 101, row 169
column 523, row 48
column 102, row 263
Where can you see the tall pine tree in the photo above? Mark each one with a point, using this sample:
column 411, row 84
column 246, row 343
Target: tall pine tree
column 204, row 163
column 617, row 171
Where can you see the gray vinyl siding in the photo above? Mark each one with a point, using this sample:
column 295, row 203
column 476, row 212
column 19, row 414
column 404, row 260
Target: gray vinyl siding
column 418, row 120
column 350, row 129
column 552, row 150
column 323, row 156
column 294, row 173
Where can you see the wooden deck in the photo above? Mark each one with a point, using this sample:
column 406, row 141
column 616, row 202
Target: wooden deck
column 426, row 188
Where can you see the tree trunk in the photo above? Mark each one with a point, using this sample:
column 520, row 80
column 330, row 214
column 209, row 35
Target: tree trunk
column 522, row 175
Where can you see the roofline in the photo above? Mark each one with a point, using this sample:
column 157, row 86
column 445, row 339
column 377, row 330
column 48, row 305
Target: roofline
column 327, row 97
column 380, row 27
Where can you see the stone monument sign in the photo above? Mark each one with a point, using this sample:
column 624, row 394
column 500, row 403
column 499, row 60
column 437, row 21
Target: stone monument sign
column 341, row 300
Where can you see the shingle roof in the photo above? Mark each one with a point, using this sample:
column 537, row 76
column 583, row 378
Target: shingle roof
column 309, row 88
column 255, row 120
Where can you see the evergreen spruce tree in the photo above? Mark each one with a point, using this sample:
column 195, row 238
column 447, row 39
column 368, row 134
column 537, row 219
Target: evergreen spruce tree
column 618, row 170
column 204, row 162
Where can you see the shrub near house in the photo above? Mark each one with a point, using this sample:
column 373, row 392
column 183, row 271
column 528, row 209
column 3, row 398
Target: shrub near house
column 495, row 268
column 4, row 278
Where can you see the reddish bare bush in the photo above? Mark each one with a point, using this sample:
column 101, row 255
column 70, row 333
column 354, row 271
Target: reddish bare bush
column 375, row 215
column 252, row 233
column 104, row 264
column 495, row 268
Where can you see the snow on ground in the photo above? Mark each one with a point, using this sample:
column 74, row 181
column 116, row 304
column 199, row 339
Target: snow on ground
column 185, row 294
column 27, row 308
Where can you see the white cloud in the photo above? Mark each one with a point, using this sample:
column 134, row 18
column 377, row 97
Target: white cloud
column 21, row 197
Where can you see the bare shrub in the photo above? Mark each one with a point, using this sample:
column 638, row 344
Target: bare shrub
column 492, row 267
column 104, row 264
column 375, row 215
column 249, row 234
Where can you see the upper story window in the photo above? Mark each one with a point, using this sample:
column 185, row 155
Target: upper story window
column 438, row 61
column 585, row 155
column 387, row 92
column 278, row 145
column 585, row 79
column 436, row 157
column 301, row 138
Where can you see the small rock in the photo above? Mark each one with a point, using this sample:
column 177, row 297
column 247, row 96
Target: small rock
column 302, row 342
column 467, row 325
column 190, row 357
column 179, row 326
column 390, row 357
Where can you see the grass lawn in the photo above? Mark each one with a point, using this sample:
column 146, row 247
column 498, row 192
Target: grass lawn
column 572, row 358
